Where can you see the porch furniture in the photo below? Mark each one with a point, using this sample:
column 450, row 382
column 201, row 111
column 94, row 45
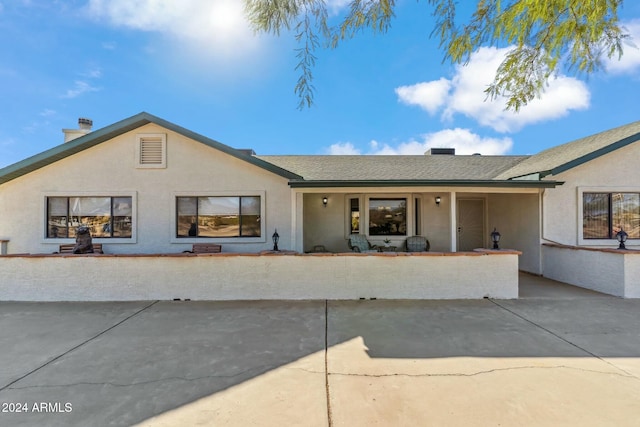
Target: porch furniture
column 387, row 248
column 417, row 244
column 318, row 249
column 68, row 248
column 359, row 243
column 206, row 248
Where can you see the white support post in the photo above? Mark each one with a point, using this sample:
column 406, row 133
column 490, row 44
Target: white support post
column 453, row 212
column 297, row 220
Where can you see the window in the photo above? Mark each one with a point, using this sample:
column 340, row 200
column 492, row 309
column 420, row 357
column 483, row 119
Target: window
column 388, row 217
column 604, row 214
column 151, row 151
column 106, row 217
column 218, row 216
column 355, row 215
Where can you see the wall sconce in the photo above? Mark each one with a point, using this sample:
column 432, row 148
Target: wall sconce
column 275, row 238
column 325, row 200
column 622, row 237
column 438, row 200
column 495, row 238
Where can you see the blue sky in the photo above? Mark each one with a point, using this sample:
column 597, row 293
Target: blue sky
column 197, row 64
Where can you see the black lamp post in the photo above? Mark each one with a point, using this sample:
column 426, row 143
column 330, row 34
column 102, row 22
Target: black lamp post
column 622, row 237
column 495, row 238
column 276, row 238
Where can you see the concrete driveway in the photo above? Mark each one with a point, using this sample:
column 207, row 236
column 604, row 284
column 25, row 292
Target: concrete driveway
column 567, row 361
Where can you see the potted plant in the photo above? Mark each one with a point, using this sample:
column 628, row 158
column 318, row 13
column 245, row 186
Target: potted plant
column 387, row 242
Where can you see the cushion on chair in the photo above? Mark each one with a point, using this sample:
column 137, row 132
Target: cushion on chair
column 359, row 243
column 417, row 244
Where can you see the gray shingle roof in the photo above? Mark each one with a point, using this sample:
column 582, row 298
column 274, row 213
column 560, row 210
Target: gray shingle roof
column 376, row 168
column 575, row 153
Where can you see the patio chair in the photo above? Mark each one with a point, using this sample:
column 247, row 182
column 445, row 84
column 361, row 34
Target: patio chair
column 417, row 244
column 359, row 243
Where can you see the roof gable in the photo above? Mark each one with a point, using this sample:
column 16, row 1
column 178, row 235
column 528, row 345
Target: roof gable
column 107, row 133
column 575, row 153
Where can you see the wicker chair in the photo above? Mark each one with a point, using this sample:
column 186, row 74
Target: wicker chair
column 359, row 243
column 417, row 244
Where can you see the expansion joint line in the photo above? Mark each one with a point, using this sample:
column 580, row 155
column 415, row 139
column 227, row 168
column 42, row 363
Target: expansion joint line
column 78, row 346
column 326, row 361
column 562, row 338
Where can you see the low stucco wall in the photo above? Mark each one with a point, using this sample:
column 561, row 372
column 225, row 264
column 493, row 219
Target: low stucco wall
column 611, row 271
column 259, row 276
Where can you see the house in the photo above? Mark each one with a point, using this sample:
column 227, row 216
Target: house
column 146, row 186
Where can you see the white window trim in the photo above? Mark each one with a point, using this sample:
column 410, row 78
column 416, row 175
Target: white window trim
column 139, row 140
column 191, row 240
column 120, row 240
column 347, row 213
column 580, row 220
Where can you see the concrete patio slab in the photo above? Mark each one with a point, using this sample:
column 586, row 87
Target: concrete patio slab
column 528, row 362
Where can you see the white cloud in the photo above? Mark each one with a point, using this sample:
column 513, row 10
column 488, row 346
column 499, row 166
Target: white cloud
column 219, row 26
column 429, row 96
column 630, row 60
column 464, row 94
column 80, row 87
column 47, row 112
column 343, row 148
column 463, row 140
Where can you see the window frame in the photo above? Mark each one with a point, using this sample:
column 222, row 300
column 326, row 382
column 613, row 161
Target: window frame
column 582, row 241
column 364, row 201
column 193, row 239
column 69, row 194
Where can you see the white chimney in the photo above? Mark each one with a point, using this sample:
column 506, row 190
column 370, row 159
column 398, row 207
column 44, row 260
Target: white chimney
column 84, row 127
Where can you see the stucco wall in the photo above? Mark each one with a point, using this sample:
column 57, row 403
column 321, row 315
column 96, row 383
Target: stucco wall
column 609, row 271
column 616, row 171
column 106, row 168
column 253, row 276
column 517, row 218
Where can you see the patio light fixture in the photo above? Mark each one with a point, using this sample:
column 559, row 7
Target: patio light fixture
column 495, row 238
column 622, row 237
column 325, row 200
column 438, row 200
column 276, row 238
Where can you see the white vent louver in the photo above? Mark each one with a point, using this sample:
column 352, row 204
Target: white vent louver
column 151, row 151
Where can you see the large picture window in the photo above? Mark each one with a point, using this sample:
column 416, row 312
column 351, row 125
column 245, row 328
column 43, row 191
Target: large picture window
column 218, row 216
column 604, row 214
column 388, row 217
column 106, row 217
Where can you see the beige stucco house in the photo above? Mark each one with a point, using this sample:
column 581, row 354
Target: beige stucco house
column 148, row 188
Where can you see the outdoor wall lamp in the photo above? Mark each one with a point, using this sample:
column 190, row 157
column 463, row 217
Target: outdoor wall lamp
column 276, row 238
column 325, row 200
column 438, row 200
column 622, row 237
column 495, row 238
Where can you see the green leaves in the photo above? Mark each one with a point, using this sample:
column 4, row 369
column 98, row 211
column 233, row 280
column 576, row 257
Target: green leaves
column 548, row 36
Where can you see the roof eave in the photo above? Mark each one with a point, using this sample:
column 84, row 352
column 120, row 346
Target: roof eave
column 423, row 183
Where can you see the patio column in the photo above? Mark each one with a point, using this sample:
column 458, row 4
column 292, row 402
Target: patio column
column 297, row 212
column 453, row 215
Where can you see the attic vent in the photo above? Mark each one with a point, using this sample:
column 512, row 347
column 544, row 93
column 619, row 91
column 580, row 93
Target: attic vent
column 151, row 151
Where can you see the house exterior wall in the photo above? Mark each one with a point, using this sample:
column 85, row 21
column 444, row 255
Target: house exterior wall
column 517, row 218
column 253, row 276
column 109, row 169
column 609, row 271
column 615, row 171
